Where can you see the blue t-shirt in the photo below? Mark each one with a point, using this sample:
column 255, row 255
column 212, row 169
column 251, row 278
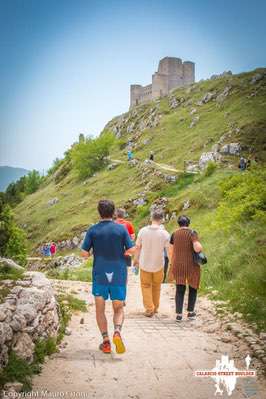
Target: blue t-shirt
column 109, row 242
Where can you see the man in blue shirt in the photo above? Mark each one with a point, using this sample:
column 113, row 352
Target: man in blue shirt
column 109, row 242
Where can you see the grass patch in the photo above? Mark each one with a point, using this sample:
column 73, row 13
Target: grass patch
column 20, row 370
column 183, row 181
column 11, row 274
column 72, row 302
column 81, row 273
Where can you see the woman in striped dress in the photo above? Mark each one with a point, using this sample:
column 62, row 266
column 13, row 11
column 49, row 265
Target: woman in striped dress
column 183, row 268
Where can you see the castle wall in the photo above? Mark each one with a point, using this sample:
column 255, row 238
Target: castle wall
column 171, row 74
column 135, row 91
column 159, row 85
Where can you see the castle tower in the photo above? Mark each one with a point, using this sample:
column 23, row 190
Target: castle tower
column 188, row 72
column 135, row 93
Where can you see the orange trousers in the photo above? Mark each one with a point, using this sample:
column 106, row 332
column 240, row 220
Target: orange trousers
column 151, row 289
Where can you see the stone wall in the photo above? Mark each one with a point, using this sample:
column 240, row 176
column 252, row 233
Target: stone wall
column 29, row 313
column 172, row 73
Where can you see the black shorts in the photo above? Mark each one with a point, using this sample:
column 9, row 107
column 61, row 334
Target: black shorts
column 128, row 260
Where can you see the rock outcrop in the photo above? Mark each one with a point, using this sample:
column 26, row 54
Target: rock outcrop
column 58, row 262
column 29, row 313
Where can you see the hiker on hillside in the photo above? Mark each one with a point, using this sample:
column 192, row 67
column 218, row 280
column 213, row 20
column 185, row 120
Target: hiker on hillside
column 248, row 164
column 151, row 156
column 242, row 164
column 53, row 248
column 149, row 257
column 109, row 241
column 183, row 268
column 120, row 219
column 129, row 155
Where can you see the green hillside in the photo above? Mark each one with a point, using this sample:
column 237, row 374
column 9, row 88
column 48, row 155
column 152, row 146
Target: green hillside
column 226, row 206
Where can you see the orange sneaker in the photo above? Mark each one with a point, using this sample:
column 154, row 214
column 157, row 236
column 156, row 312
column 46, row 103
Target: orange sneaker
column 105, row 347
column 119, row 345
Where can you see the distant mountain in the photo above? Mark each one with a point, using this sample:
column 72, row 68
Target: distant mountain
column 9, row 174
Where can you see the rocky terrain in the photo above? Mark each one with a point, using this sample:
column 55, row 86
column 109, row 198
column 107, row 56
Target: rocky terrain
column 29, row 312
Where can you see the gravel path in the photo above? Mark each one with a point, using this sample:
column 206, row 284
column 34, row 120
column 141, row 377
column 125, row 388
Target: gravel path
column 161, row 356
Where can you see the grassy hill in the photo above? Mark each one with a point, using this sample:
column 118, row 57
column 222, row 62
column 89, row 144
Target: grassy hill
column 224, row 206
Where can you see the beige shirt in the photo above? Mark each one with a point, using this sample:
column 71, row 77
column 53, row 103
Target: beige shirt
column 152, row 240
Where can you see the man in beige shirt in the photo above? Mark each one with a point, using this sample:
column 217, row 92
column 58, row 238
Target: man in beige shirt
column 149, row 256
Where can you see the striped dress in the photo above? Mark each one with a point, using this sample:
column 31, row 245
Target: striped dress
column 184, row 269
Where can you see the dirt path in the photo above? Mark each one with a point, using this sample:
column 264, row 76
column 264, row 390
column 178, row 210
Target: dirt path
column 160, row 360
column 159, row 165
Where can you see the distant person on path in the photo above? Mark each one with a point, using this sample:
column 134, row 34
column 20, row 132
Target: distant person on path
column 53, row 249
column 242, row 164
column 183, row 268
column 166, row 264
column 120, row 219
column 151, row 156
column 46, row 250
column 129, row 155
column 109, row 241
column 150, row 245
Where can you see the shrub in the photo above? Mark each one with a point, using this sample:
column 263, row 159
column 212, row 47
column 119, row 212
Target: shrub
column 91, row 155
column 210, row 169
column 244, row 198
column 12, row 238
column 33, row 182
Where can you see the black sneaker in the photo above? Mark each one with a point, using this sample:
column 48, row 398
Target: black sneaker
column 191, row 315
column 178, row 319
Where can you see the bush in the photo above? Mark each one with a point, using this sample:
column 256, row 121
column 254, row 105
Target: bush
column 210, row 169
column 17, row 369
column 91, row 155
column 244, row 198
column 12, row 238
column 33, row 182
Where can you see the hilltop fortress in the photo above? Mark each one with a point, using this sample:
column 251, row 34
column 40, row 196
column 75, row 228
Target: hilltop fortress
column 172, row 73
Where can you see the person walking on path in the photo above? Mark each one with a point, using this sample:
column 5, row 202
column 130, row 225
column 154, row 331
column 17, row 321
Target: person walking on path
column 53, row 249
column 46, row 250
column 183, row 268
column 151, row 156
column 109, row 241
column 129, row 155
column 149, row 257
column 120, row 219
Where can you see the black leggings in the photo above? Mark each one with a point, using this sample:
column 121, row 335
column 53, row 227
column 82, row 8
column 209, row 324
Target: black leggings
column 166, row 263
column 179, row 298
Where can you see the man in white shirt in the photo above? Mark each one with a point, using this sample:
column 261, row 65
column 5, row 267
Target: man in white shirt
column 149, row 256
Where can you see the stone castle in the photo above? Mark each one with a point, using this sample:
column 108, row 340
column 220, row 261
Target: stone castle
column 172, row 73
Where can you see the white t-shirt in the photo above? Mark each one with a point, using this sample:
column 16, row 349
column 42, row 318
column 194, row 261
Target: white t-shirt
column 152, row 239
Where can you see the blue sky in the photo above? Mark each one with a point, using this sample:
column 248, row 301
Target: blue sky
column 66, row 65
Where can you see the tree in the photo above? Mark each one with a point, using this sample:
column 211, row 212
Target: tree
column 81, row 138
column 91, row 155
column 33, row 182
column 12, row 238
